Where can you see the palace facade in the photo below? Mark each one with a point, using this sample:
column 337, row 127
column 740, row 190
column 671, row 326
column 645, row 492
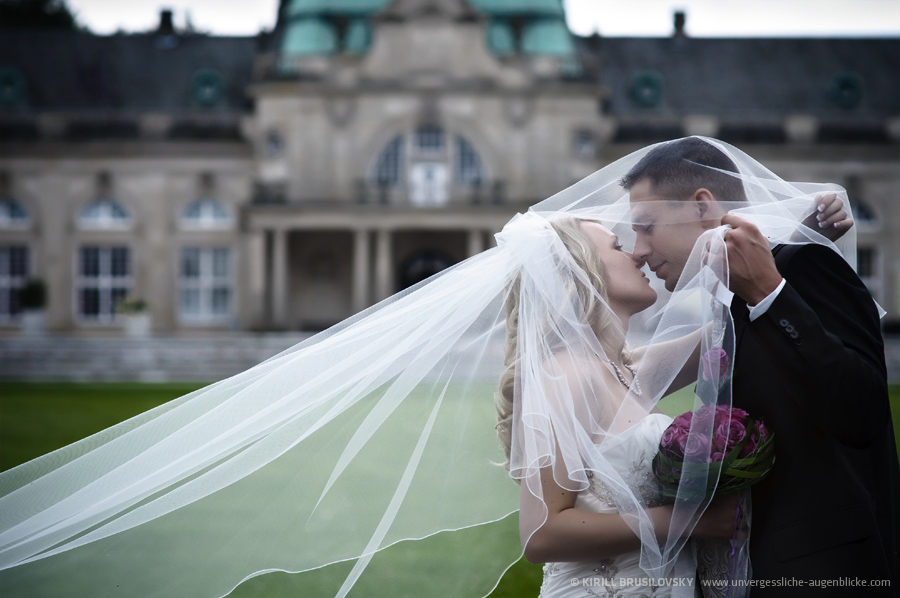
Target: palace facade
column 287, row 181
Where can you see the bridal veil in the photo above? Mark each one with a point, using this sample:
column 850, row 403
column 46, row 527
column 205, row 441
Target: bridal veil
column 366, row 458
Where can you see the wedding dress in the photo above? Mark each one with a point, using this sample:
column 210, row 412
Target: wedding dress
column 619, row 576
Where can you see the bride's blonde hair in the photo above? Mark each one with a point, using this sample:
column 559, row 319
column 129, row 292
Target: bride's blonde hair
column 594, row 302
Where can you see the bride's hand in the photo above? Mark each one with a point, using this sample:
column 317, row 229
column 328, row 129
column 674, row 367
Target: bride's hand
column 720, row 519
column 830, row 219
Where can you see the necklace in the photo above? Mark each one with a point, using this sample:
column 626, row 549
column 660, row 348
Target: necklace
column 634, row 381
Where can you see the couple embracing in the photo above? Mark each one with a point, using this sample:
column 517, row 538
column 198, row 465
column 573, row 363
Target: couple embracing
column 804, row 336
column 374, row 443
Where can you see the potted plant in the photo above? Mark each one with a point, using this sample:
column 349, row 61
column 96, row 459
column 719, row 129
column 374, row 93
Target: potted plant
column 135, row 315
column 33, row 299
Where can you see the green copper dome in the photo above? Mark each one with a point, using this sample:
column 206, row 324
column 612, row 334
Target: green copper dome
column 299, row 8
column 312, row 27
column 367, row 7
column 501, row 39
column 498, row 8
column 310, row 35
column 547, row 37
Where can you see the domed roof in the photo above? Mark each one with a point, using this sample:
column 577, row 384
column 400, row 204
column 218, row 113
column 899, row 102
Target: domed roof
column 298, row 8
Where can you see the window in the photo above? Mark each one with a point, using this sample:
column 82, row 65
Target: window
column 207, row 87
column 104, row 279
column 205, row 284
column 863, row 212
column 869, row 270
column 274, row 144
column 865, row 262
column 389, row 169
column 429, row 139
column 468, row 164
column 428, row 184
column 12, row 214
column 104, row 214
column 206, row 213
column 13, row 274
column 584, row 145
column 430, row 163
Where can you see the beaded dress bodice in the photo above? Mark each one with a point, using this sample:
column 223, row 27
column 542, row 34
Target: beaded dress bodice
column 619, row 576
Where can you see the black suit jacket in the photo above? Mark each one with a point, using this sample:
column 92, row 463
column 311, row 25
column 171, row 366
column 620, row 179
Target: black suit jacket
column 813, row 368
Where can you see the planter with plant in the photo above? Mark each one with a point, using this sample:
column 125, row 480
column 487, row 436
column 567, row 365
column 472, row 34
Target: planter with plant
column 33, row 300
column 133, row 312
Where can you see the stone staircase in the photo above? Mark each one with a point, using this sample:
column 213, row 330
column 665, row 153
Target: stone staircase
column 176, row 359
column 151, row 359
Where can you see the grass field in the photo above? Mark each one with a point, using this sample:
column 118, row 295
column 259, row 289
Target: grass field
column 36, row 418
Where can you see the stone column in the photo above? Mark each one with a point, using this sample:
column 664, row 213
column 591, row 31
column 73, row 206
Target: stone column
column 476, row 242
column 279, row 278
column 253, row 295
column 383, row 260
column 360, row 270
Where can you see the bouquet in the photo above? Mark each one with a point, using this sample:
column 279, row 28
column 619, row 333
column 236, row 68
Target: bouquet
column 740, row 453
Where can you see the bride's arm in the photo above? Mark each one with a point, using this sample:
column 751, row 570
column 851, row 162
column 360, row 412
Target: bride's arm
column 571, row 534
column 668, row 351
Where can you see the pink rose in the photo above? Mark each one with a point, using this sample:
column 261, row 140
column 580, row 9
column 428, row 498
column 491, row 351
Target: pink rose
column 673, row 441
column 736, row 433
column 696, row 447
column 763, row 431
column 715, row 364
column 716, row 457
column 704, row 417
column 723, row 414
column 740, row 415
column 751, row 445
column 668, row 437
column 684, row 420
column 680, row 440
column 720, row 437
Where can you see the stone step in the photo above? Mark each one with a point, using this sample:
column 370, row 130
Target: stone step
column 152, row 359
column 159, row 359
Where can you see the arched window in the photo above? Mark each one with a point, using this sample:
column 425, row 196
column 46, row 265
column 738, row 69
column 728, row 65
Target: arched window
column 469, row 170
column 12, row 214
column 389, row 168
column 104, row 214
column 429, row 140
column 206, row 213
column 436, row 167
column 863, row 213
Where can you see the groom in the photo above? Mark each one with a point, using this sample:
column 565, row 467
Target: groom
column 809, row 360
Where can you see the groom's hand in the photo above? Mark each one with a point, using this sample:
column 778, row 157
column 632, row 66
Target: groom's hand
column 723, row 520
column 752, row 274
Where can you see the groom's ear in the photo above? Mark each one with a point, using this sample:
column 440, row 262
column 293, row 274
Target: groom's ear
column 707, row 208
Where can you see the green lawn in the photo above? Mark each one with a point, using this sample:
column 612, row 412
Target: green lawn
column 36, row 418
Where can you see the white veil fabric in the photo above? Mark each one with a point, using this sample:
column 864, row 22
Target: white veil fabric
column 365, row 460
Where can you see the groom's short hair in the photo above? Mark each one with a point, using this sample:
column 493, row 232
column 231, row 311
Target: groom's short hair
column 678, row 168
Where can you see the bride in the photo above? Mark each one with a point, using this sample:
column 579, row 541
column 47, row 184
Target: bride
column 374, row 441
column 595, row 548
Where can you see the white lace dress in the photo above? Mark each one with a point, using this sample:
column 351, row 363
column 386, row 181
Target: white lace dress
column 620, row 576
